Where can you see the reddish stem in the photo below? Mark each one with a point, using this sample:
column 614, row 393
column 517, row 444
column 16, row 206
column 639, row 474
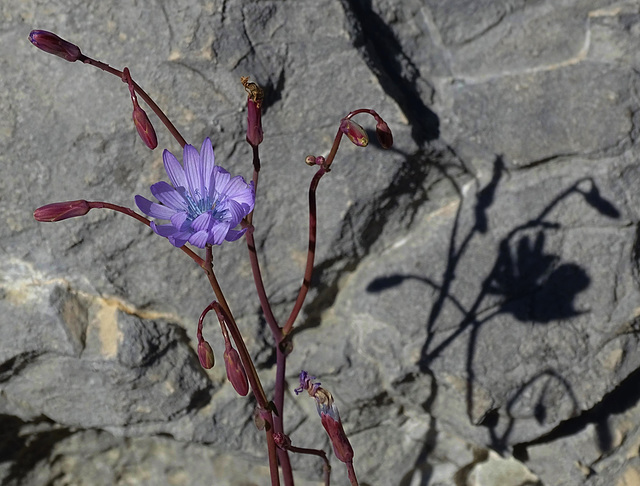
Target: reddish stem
column 311, row 252
column 247, row 362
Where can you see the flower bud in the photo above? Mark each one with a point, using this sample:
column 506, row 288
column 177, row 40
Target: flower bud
column 355, row 132
column 310, row 160
column 341, row 445
column 235, row 371
column 383, row 132
column 51, row 43
column 254, row 122
column 144, row 126
column 205, row 355
column 140, row 118
column 61, row 210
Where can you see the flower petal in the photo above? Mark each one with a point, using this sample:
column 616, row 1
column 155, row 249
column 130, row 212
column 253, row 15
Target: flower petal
column 233, row 235
column 235, row 213
column 168, row 196
column 174, row 169
column 203, row 222
column 153, row 209
column 178, row 221
column 179, row 239
column 218, row 233
column 241, row 192
column 165, row 230
column 208, row 162
column 191, row 160
column 220, row 179
column 199, row 238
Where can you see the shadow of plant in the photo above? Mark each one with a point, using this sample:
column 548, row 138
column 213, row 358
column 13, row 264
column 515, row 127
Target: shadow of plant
column 526, row 280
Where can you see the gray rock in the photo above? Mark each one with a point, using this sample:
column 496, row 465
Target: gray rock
column 477, row 286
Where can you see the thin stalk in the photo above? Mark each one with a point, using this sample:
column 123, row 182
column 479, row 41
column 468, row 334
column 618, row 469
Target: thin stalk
column 247, row 362
column 315, row 452
column 352, row 474
column 278, row 421
column 311, row 252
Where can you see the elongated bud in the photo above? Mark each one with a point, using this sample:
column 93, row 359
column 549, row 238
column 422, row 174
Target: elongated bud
column 61, row 210
column 254, row 111
column 140, row 119
column 354, row 132
column 205, row 355
column 51, row 43
column 144, row 126
column 383, row 132
column 235, row 371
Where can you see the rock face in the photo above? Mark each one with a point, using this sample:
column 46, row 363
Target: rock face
column 476, row 305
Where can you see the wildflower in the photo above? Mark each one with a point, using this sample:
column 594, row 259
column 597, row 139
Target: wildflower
column 205, row 203
column 329, row 416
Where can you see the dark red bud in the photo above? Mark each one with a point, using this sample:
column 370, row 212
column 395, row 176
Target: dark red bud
column 254, row 122
column 205, row 355
column 355, row 132
column 144, row 127
column 235, row 371
column 383, row 132
column 51, row 43
column 61, row 210
column 341, row 446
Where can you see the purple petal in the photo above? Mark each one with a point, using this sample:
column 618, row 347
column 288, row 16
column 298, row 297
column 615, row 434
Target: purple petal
column 241, row 192
column 179, row 239
column 208, row 162
column 191, row 160
column 220, row 179
column 218, row 233
column 233, row 235
column 168, row 196
column 178, row 221
column 174, row 169
column 236, row 212
column 203, row 222
column 199, row 238
column 154, row 210
column 165, row 230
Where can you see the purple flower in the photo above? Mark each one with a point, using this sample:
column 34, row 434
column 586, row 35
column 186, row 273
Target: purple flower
column 204, row 205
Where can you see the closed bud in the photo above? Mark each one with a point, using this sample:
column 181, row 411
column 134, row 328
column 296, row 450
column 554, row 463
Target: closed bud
column 144, row 127
column 205, row 355
column 383, row 132
column 341, row 445
column 51, row 43
column 254, row 122
column 355, row 132
column 61, row 210
column 235, row 371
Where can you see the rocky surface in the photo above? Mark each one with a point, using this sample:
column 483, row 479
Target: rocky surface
column 476, row 306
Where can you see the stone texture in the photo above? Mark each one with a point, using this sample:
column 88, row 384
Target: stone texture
column 476, row 304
